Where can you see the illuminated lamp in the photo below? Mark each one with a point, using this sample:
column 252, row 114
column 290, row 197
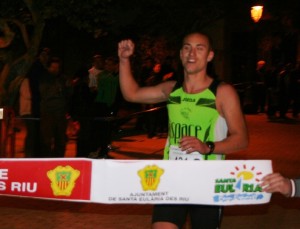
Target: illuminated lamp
column 256, row 13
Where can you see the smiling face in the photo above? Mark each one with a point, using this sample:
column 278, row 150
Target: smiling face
column 195, row 53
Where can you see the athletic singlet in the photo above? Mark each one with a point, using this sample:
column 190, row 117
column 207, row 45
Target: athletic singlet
column 194, row 115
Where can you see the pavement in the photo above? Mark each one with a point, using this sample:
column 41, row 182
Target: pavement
column 278, row 141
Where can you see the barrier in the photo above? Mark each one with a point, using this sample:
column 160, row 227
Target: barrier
column 8, row 133
column 231, row 182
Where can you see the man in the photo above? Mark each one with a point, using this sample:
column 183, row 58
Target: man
column 94, row 71
column 37, row 70
column 106, row 105
column 30, row 103
column 205, row 120
column 54, row 107
column 25, row 111
column 275, row 182
column 260, row 87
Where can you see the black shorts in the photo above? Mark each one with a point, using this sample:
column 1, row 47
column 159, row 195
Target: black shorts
column 201, row 216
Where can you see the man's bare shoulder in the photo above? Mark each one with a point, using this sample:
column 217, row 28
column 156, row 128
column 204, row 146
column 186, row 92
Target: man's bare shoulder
column 226, row 89
column 227, row 98
column 167, row 87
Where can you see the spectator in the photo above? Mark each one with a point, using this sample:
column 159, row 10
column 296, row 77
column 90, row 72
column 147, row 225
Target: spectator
column 25, row 110
column 54, row 107
column 284, row 90
column 30, row 103
column 259, row 87
column 295, row 91
column 106, row 105
column 94, row 71
column 153, row 118
column 81, row 111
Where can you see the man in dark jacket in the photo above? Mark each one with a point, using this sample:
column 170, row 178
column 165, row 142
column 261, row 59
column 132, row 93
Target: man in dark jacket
column 53, row 109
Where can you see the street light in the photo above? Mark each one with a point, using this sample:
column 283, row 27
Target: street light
column 256, row 12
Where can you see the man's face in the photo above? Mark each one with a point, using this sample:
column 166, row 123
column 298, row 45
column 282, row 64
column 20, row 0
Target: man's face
column 44, row 57
column 99, row 63
column 195, row 53
column 54, row 68
column 110, row 66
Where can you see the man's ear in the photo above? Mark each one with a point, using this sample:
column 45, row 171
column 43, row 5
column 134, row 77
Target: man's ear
column 210, row 56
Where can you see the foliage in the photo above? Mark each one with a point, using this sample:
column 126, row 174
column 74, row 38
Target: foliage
column 158, row 25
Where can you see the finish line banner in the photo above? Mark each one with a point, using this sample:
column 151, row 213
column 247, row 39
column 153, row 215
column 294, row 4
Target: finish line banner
column 229, row 182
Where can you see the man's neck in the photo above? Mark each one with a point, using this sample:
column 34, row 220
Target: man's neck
column 196, row 83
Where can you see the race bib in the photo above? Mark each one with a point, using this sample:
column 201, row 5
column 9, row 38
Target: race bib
column 177, row 154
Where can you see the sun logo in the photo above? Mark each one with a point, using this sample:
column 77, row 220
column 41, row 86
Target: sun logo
column 245, row 174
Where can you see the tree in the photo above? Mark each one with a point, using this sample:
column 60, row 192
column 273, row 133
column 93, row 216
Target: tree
column 22, row 24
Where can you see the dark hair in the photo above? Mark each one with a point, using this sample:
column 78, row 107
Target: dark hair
column 97, row 56
column 112, row 59
column 44, row 50
column 210, row 42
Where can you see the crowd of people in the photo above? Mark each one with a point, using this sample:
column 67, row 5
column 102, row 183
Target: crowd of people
column 49, row 101
column 152, row 73
column 276, row 90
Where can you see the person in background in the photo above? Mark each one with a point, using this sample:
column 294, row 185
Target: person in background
column 94, row 71
column 54, row 108
column 81, row 103
column 29, row 103
column 146, row 70
column 284, row 91
column 272, row 92
column 152, row 118
column 25, row 111
column 259, row 87
column 106, row 105
column 37, row 70
column 205, row 120
column 275, row 182
column 295, row 90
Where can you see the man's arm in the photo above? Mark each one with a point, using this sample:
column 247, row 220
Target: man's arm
column 131, row 91
column 228, row 104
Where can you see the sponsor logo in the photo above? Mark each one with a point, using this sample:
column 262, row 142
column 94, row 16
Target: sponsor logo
column 242, row 184
column 178, row 130
column 185, row 113
column 63, row 180
column 150, row 177
column 188, row 100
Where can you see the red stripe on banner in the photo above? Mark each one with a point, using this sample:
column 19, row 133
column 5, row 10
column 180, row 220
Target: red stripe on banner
column 59, row 179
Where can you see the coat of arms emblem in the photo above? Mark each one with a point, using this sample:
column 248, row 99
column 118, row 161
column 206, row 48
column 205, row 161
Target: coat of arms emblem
column 150, row 177
column 63, row 180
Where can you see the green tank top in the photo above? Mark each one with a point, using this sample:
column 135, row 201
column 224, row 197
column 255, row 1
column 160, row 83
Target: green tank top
column 195, row 115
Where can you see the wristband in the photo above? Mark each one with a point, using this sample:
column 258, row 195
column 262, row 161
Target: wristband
column 293, row 188
column 211, row 147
